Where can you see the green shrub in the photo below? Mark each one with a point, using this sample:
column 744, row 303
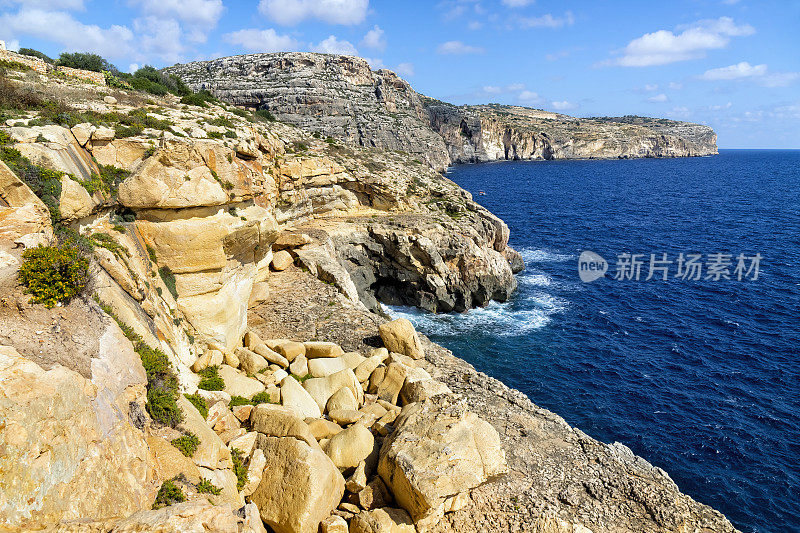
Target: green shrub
column 238, row 400
column 104, row 240
column 261, row 397
column 187, row 443
column 205, row 486
column 265, row 115
column 200, row 98
column 35, row 53
column 223, row 122
column 169, row 280
column 151, row 252
column 85, row 61
column 53, row 274
column 115, row 82
column 199, row 402
column 211, row 380
column 214, row 135
column 13, row 65
column 239, row 468
column 168, row 494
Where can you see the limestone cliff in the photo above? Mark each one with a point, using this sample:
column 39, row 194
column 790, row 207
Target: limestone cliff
column 341, row 97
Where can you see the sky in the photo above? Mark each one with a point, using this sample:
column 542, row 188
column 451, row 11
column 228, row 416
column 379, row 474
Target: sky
column 731, row 64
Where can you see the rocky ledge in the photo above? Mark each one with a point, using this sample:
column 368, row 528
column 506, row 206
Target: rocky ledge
column 223, row 369
column 341, row 97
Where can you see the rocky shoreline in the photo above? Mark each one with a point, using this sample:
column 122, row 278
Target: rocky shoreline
column 225, row 369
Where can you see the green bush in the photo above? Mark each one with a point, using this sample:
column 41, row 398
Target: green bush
column 168, row 494
column 85, row 61
column 238, row 400
column 214, row 135
column 201, row 98
column 199, row 402
column 205, row 486
column 169, row 280
column 261, row 397
column 187, row 443
column 211, row 380
column 13, row 65
column 223, row 122
column 53, row 274
column 151, row 252
column 265, row 114
column 13, row 97
column 35, row 53
column 239, row 468
column 115, row 82
column 104, row 240
column 45, row 183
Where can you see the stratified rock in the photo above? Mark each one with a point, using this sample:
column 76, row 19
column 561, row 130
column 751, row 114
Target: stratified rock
column 438, row 450
column 299, row 488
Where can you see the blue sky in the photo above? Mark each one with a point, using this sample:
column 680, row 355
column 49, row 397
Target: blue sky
column 731, row 64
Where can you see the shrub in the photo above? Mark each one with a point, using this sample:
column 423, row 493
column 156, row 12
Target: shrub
column 151, row 252
column 168, row 494
column 261, row 397
column 239, row 468
column 264, row 114
column 115, row 82
column 214, row 135
column 104, row 240
column 211, row 379
column 187, row 443
column 85, row 61
column 205, row 486
column 12, row 96
column 13, row 65
column 35, row 53
column 45, row 183
column 53, row 274
column 169, row 280
column 238, row 400
column 223, row 122
column 199, row 402
column 200, row 98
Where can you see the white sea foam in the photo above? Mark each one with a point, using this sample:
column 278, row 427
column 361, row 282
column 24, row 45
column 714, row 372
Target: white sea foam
column 534, row 255
column 535, row 280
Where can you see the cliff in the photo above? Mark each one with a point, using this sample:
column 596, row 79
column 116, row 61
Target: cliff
column 341, row 97
column 224, row 350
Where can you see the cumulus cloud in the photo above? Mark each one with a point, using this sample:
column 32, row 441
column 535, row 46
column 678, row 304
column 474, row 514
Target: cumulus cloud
column 658, row 98
column 332, row 45
column 268, row 40
column 745, row 71
column 205, row 13
column 563, row 105
column 51, row 5
column 60, row 27
column 690, row 42
column 374, row 39
column 405, row 69
column 292, row 12
column 458, row 48
column 529, row 97
column 517, row 3
column 547, row 21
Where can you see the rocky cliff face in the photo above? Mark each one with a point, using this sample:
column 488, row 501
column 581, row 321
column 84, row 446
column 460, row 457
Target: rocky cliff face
column 341, row 97
column 495, row 132
column 338, row 96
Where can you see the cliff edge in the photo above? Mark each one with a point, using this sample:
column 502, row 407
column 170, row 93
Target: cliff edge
column 341, row 97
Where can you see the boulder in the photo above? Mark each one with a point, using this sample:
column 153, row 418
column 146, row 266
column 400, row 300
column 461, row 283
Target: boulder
column 357, row 480
column 342, row 399
column 211, row 453
column 438, row 450
column 255, row 471
column 399, row 336
column 297, row 397
column 281, row 260
column 299, row 488
column 250, row 361
column 170, row 461
column 242, row 412
column 321, row 389
column 365, row 369
column 196, row 515
column 299, row 367
column 419, row 386
column 278, row 421
column 74, row 202
column 238, row 384
column 245, row 444
column 333, row 524
column 289, row 349
column 374, row 495
column 322, row 429
column 351, row 446
column 315, row 349
column 270, row 355
column 386, row 520
column 345, row 417
column 388, row 384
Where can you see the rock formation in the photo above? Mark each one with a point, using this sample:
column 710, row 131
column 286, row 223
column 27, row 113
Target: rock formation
column 341, row 97
column 224, row 368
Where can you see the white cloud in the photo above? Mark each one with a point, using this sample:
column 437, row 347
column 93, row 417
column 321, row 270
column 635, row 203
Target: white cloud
column 547, row 21
column 60, row 27
column 491, row 89
column 675, row 86
column 563, row 105
column 735, row 72
column 663, row 47
column 267, row 40
column 159, row 37
column 203, row 13
column 51, row 5
column 457, row 48
column 679, row 112
column 745, row 71
column 374, row 39
column 650, row 87
column 529, row 97
column 292, row 12
column 375, row 63
column 517, row 3
column 658, row 98
column 133, row 67
column 332, row 45
column 405, row 69
column 721, row 107
column 475, row 25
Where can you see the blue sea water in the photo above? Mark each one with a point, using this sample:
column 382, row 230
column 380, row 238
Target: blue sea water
column 702, row 378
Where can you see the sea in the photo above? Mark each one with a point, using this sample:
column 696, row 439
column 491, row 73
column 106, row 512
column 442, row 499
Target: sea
column 696, row 369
